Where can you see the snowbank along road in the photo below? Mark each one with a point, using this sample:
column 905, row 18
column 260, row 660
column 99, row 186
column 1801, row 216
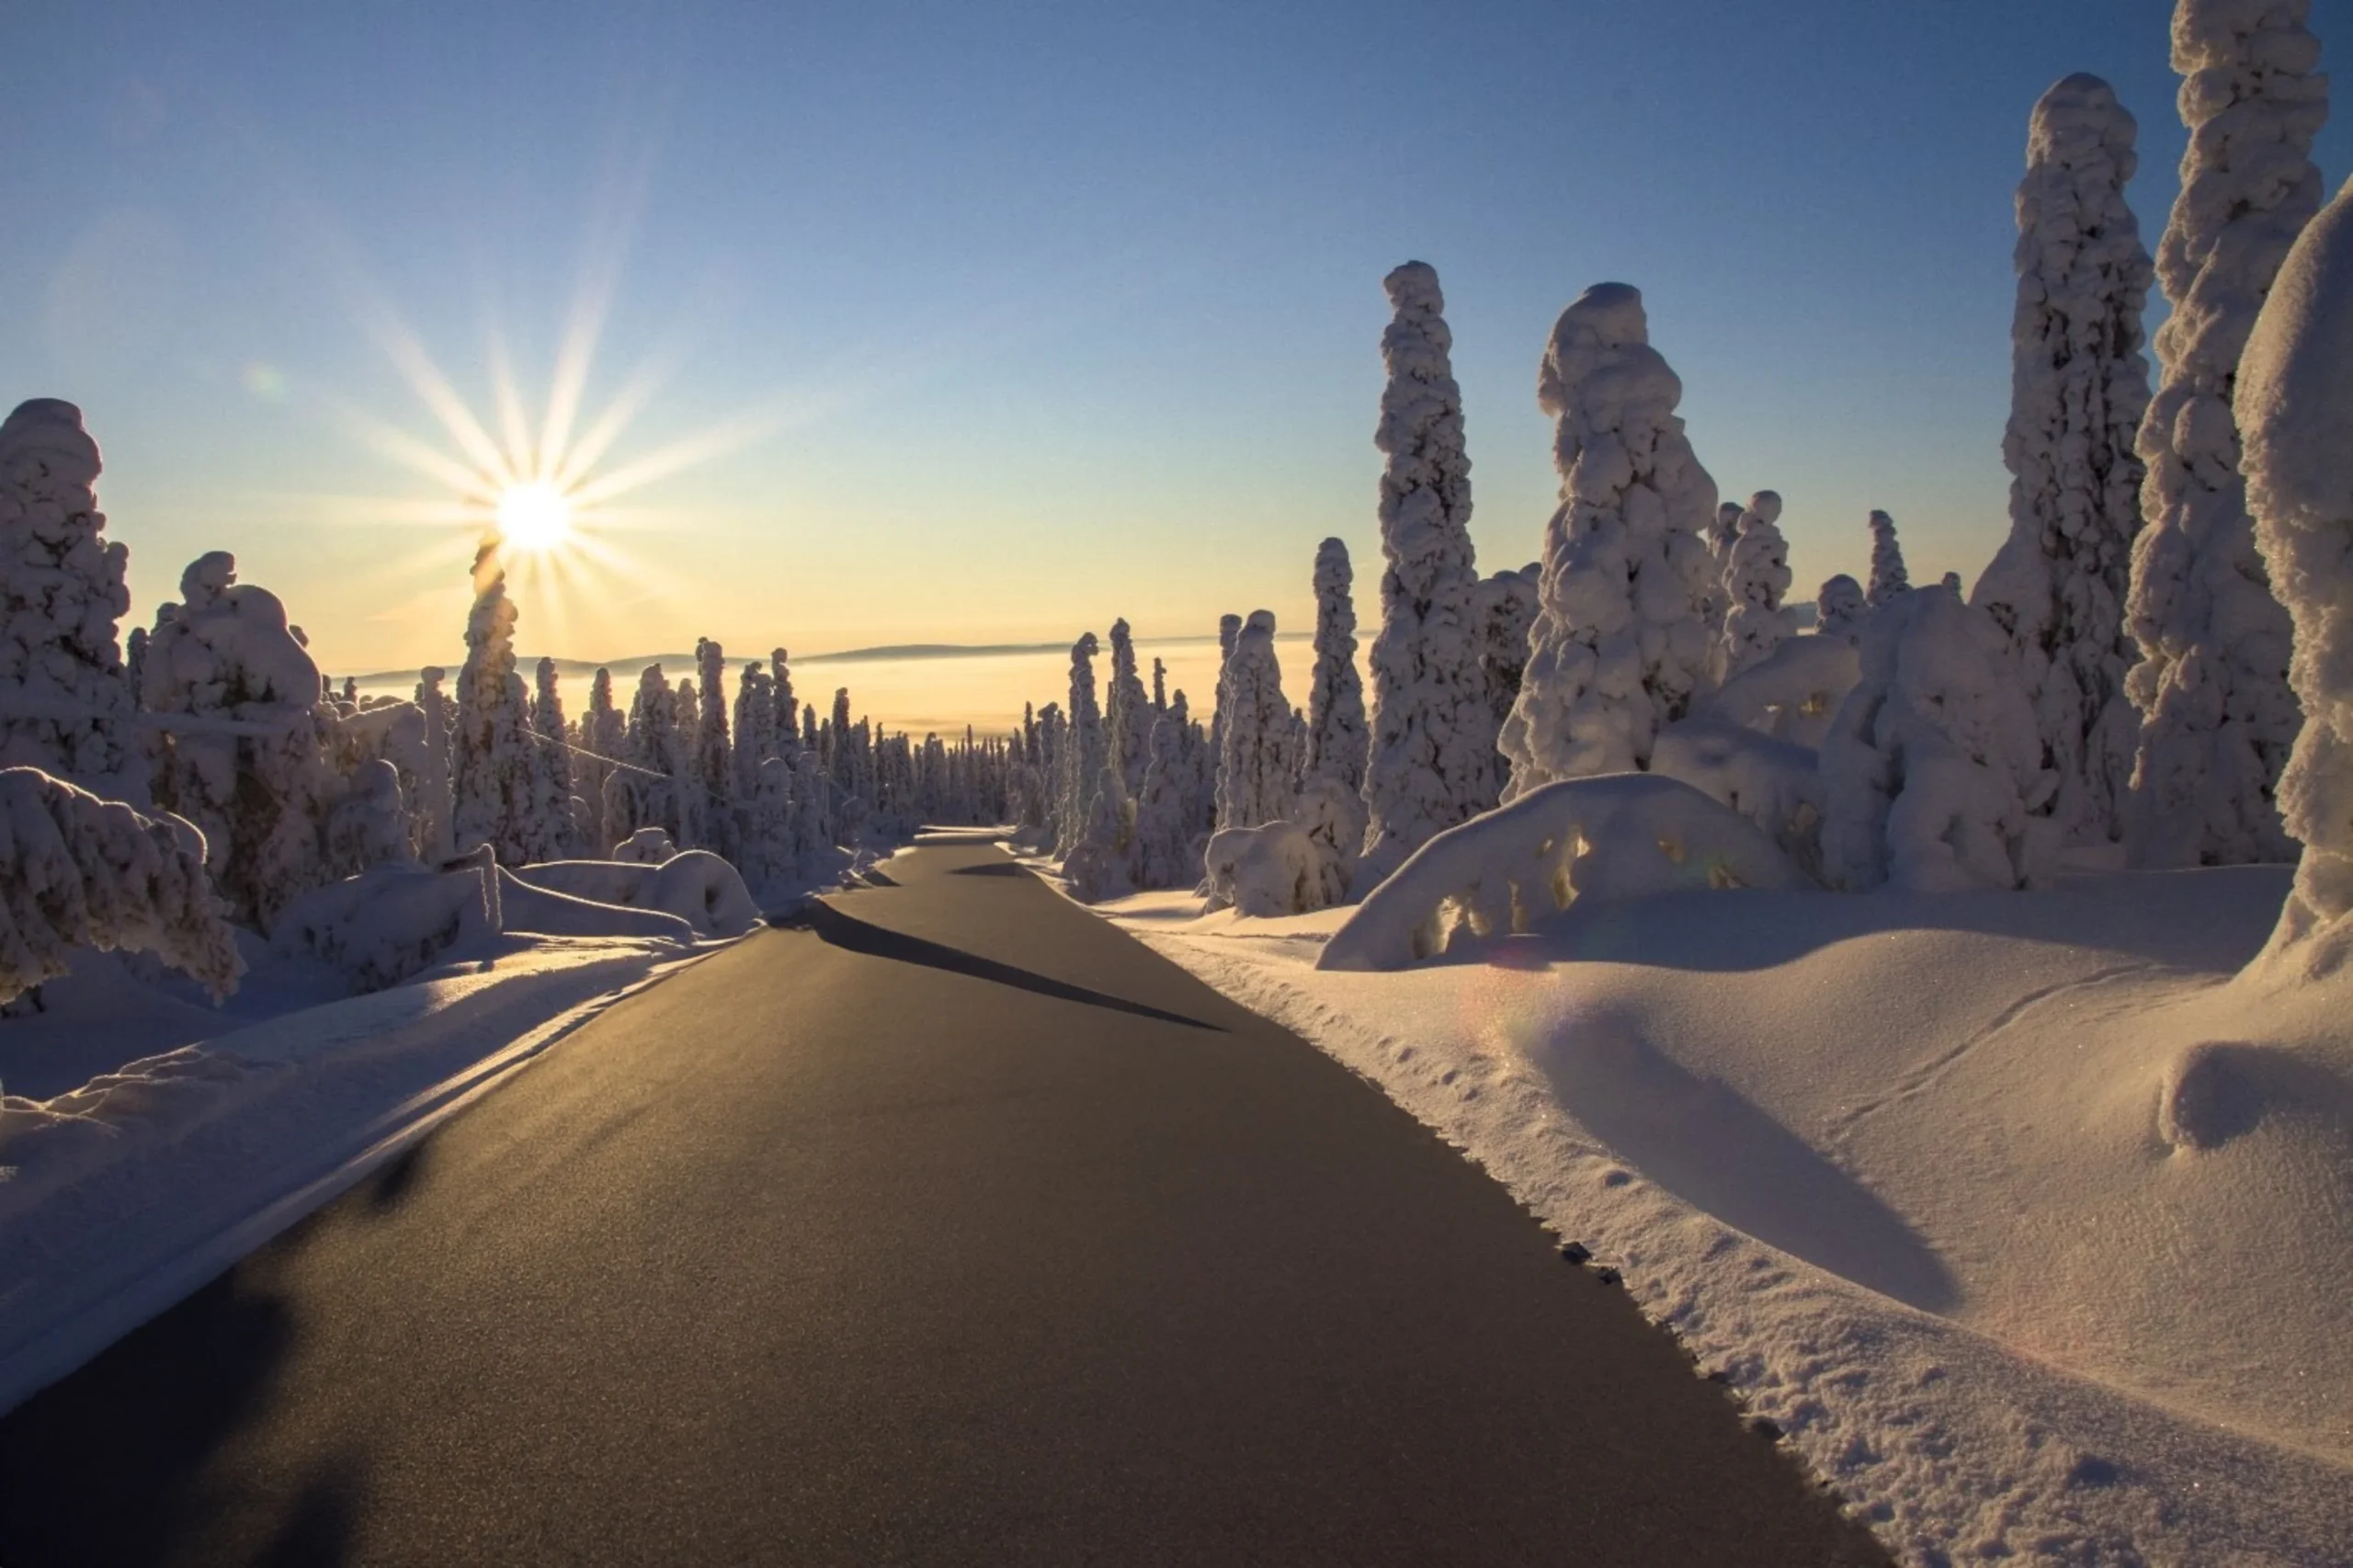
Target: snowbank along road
column 945, row 1223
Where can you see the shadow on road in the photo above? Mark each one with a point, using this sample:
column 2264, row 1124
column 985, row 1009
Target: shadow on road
column 853, row 935
column 1007, row 869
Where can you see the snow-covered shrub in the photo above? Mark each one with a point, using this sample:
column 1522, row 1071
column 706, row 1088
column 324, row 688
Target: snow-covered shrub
column 64, row 704
column 1621, row 642
column 1433, row 734
column 2294, row 403
column 1274, row 868
column 1256, row 776
column 78, row 871
column 248, row 765
column 1776, row 784
column 2078, row 388
column 1888, row 576
column 1839, row 607
column 2217, row 715
column 646, row 847
column 1794, row 693
column 384, row 925
column 1723, row 532
column 694, row 884
column 1932, row 775
column 1756, row 578
column 1614, row 836
column 369, row 827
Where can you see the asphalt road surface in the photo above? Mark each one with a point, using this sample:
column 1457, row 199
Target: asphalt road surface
column 945, row 1224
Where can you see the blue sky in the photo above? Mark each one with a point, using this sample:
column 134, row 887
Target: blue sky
column 1013, row 318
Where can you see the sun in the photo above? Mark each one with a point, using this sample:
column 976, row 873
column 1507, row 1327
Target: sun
column 534, row 516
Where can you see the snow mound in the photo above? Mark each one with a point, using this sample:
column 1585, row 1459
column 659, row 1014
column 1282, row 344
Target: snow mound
column 695, row 885
column 528, row 909
column 1613, row 836
column 646, row 847
column 1273, row 869
column 2028, row 1222
column 397, row 920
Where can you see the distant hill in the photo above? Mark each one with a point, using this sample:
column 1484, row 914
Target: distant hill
column 581, row 669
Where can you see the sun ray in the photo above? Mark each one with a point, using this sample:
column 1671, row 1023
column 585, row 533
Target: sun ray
column 508, row 399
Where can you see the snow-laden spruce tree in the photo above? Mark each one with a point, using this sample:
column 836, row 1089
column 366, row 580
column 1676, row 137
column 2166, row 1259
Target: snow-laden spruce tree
column 1332, row 756
column 714, row 753
column 250, row 767
column 603, row 737
column 2294, row 406
column 1888, row 576
column 1255, row 776
column 1229, row 631
column 1433, row 734
column 2217, row 714
column 1932, row 776
column 788, row 724
column 79, row 871
column 491, row 766
column 641, row 795
column 1337, row 737
column 1159, row 687
column 1621, row 642
column 1507, row 605
column 1723, row 532
column 1756, row 578
column 1127, row 716
column 1840, row 608
column 434, row 807
column 1164, row 830
column 551, row 784
column 65, row 706
column 2078, row 387
column 1083, row 749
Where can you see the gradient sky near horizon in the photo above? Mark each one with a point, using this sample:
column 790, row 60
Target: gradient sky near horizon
column 956, row 322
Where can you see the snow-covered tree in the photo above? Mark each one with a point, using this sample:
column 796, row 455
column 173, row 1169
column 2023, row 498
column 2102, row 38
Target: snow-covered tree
column 2078, row 388
column 552, row 785
column 714, row 755
column 1932, row 775
column 1127, row 720
column 642, row 794
column 1159, row 687
column 1164, row 830
column 787, row 730
column 1254, row 778
column 250, row 769
column 1229, row 630
column 1337, row 737
column 434, row 807
column 1507, row 606
column 1888, row 576
column 1621, row 642
column 1840, row 608
column 1756, row 578
column 2217, row 714
column 1433, row 734
column 1723, row 532
column 2294, row 406
column 491, row 763
column 1083, row 754
column 65, row 706
column 79, row 871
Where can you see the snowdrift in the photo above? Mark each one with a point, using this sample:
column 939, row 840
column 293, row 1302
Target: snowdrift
column 2025, row 1215
column 1615, row 836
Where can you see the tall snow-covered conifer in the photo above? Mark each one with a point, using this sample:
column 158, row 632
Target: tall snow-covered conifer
column 2217, row 714
column 491, row 763
column 66, row 704
column 1255, row 776
column 1127, row 719
column 2078, row 387
column 1621, row 642
column 2294, row 406
column 1433, row 734
column 1756, row 577
column 1083, row 750
column 715, row 754
column 1888, row 577
column 1332, row 764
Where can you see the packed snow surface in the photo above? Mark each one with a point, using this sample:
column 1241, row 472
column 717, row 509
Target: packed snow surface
column 1989, row 1201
